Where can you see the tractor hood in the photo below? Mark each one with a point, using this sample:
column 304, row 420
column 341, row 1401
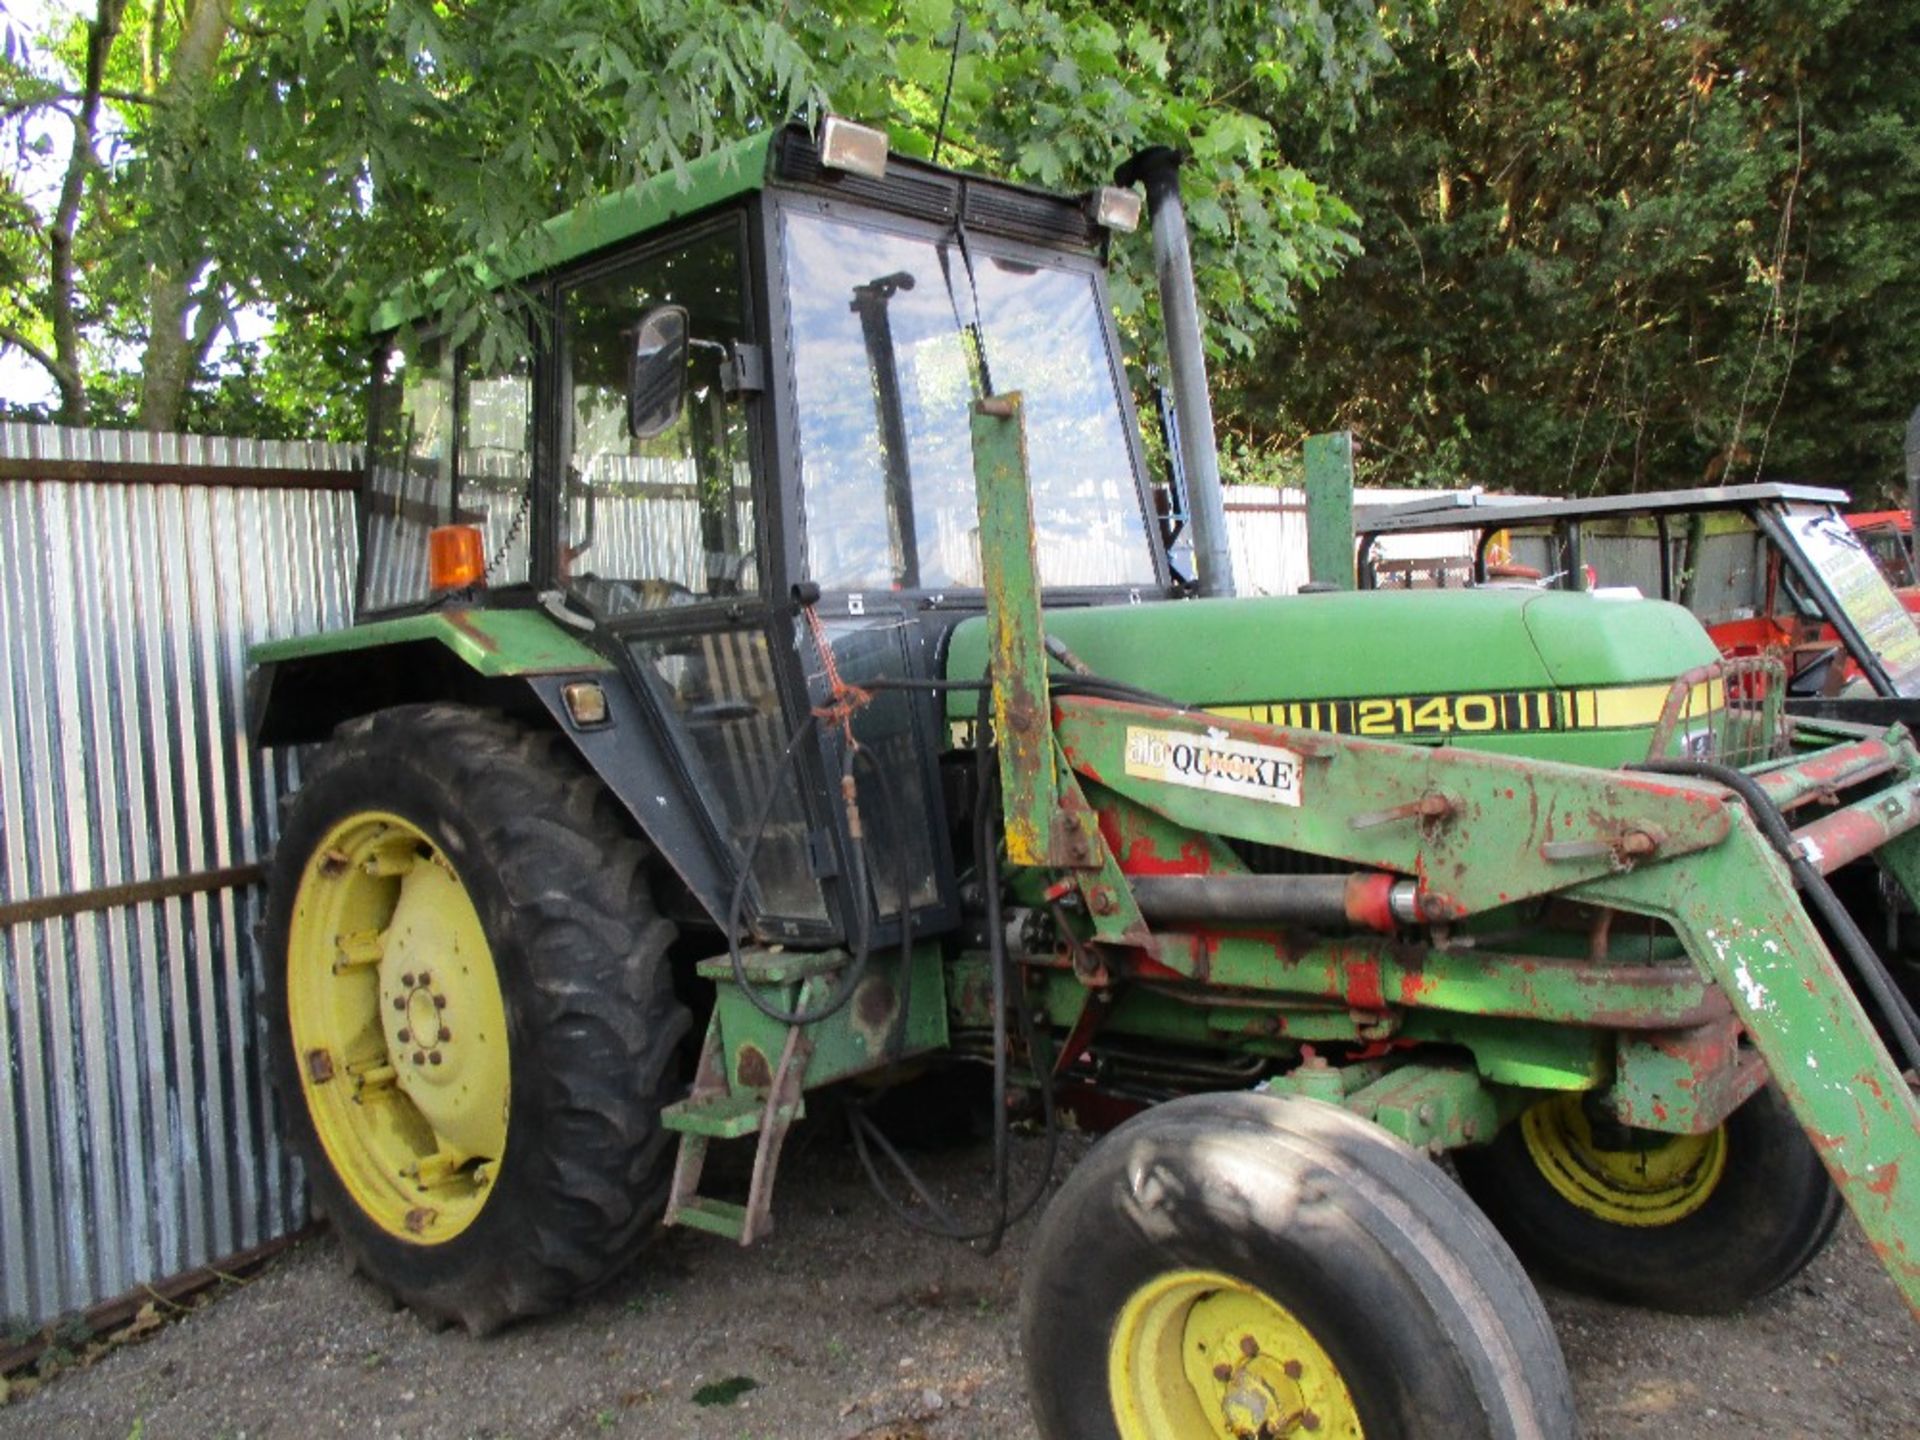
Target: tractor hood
column 1496, row 666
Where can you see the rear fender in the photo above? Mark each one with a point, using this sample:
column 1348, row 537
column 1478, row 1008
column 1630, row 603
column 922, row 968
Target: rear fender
column 301, row 688
column 514, row 661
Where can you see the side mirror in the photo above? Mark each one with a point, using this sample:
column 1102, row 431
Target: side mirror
column 657, row 371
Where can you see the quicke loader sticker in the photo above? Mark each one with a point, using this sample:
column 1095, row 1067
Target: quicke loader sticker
column 1215, row 762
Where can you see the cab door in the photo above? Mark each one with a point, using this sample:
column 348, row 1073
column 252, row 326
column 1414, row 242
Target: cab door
column 663, row 539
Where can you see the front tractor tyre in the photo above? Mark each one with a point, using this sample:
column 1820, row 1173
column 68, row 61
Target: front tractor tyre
column 1225, row 1267
column 1694, row 1224
column 472, row 1015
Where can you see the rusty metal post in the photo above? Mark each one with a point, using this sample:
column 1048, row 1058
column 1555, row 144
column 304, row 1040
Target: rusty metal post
column 1022, row 720
column 1329, row 493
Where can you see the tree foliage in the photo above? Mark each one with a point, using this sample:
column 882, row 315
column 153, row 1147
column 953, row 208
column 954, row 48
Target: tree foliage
column 1615, row 246
column 342, row 150
column 1601, row 245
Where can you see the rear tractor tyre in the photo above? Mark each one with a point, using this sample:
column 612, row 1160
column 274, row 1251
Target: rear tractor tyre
column 472, row 1016
column 1225, row 1267
column 1694, row 1224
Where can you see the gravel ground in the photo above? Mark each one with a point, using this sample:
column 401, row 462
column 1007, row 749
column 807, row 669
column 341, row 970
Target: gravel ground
column 852, row 1328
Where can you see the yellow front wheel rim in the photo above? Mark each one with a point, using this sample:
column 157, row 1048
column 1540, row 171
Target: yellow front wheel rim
column 399, row 1031
column 1661, row 1183
column 1200, row 1355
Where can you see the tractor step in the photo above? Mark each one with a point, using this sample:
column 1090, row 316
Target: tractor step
column 716, row 1111
column 724, row 1117
column 774, row 967
column 741, row 1091
column 716, row 1217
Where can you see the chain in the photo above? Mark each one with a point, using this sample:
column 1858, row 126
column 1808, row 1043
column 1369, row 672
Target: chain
column 513, row 531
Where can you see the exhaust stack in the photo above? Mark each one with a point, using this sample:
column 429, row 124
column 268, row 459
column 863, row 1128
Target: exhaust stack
column 1159, row 170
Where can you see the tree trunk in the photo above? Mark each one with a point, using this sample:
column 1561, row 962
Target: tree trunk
column 166, row 369
column 61, row 270
column 172, row 356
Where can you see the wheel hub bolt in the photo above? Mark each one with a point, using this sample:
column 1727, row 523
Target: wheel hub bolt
column 445, row 1034
column 434, row 1057
column 1293, row 1369
column 1223, row 1372
column 407, row 980
column 1309, row 1421
column 1249, row 1346
column 419, row 1057
column 399, row 1002
column 405, row 1038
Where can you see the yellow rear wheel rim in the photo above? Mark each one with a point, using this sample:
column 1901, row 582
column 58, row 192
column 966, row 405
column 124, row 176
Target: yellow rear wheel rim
column 399, row 1032
column 1199, row 1355
column 1659, row 1184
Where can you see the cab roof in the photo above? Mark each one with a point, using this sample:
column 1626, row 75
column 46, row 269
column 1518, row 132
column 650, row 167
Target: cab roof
column 1471, row 510
column 785, row 154
column 714, row 178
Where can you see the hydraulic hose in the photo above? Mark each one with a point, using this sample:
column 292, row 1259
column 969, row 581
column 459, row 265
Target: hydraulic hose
column 865, row 1133
column 861, row 877
column 856, row 970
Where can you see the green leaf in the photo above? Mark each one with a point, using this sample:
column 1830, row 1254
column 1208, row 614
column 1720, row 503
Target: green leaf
column 929, row 18
column 725, row 1392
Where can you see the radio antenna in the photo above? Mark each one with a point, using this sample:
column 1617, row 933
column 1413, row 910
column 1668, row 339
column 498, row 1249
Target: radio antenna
column 953, row 64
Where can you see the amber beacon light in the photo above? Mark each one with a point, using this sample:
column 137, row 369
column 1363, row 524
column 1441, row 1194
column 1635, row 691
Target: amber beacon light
column 455, row 560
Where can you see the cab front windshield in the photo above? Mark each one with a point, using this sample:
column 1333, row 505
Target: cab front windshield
column 1835, row 552
column 894, row 336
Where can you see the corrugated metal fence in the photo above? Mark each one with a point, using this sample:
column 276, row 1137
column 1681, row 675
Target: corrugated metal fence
column 136, row 1129
column 1267, row 533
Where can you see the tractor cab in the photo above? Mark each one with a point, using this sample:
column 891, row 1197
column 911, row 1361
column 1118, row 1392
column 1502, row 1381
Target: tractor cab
column 1888, row 536
column 1769, row 569
column 741, row 384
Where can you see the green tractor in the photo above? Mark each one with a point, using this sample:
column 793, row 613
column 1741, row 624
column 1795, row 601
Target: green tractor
column 776, row 682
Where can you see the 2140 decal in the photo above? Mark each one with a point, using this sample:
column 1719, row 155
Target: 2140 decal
column 1477, row 712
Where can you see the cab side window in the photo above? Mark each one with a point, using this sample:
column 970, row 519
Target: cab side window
column 667, row 520
column 496, row 461
column 452, row 445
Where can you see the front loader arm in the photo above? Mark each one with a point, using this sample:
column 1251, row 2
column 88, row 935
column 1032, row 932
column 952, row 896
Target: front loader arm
column 1474, row 833
column 1682, row 851
column 1735, row 908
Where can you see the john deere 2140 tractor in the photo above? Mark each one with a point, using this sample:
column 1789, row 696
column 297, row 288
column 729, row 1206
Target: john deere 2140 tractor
column 777, row 680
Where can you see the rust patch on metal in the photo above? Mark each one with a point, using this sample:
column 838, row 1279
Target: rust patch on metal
column 753, row 1069
column 1364, row 987
column 319, row 1066
column 461, row 621
column 874, row 1002
column 1889, row 1179
column 420, row 1217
